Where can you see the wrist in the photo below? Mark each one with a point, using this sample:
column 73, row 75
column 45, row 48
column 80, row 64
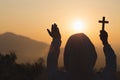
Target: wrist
column 56, row 39
column 105, row 43
column 57, row 42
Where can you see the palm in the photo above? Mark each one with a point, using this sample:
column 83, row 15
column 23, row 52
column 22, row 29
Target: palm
column 54, row 33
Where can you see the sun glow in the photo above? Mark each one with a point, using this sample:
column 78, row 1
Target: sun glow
column 78, row 26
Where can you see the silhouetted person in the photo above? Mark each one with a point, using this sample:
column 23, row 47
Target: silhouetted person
column 79, row 58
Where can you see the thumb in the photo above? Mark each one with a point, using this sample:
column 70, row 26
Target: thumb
column 49, row 32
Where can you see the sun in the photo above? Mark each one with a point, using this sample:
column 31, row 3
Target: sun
column 78, row 26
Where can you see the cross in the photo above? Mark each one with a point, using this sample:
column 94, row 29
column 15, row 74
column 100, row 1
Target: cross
column 103, row 23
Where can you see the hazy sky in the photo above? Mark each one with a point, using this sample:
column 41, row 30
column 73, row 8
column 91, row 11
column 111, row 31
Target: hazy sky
column 32, row 17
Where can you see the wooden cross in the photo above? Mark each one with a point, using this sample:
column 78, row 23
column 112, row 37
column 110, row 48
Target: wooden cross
column 103, row 23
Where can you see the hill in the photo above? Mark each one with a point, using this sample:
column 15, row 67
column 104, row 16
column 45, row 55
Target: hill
column 26, row 49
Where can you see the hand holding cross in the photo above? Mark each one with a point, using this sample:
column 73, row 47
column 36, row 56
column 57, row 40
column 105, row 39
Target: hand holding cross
column 103, row 23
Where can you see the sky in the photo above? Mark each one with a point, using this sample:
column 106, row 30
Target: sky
column 31, row 18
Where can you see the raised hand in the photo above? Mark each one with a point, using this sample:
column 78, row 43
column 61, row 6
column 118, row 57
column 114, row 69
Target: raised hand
column 54, row 33
column 104, row 37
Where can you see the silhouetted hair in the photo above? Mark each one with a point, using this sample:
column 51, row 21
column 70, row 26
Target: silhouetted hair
column 80, row 54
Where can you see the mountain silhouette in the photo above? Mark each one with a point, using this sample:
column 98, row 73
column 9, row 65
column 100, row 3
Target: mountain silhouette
column 26, row 49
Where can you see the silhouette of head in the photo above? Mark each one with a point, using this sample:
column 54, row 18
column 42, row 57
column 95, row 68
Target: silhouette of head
column 79, row 55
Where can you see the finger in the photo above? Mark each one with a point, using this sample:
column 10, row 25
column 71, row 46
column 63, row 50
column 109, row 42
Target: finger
column 101, row 31
column 49, row 32
column 54, row 26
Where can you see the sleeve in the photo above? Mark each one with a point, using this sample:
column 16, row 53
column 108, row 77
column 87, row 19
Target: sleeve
column 109, row 72
column 52, row 59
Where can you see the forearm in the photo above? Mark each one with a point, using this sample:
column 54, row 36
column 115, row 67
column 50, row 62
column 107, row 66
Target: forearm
column 110, row 57
column 52, row 59
column 110, row 67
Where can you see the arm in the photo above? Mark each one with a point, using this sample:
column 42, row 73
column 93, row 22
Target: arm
column 54, row 51
column 110, row 57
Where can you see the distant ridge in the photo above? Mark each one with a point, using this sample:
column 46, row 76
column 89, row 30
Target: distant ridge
column 13, row 35
column 27, row 50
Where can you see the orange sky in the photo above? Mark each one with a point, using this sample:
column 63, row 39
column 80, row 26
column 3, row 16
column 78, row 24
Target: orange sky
column 32, row 17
